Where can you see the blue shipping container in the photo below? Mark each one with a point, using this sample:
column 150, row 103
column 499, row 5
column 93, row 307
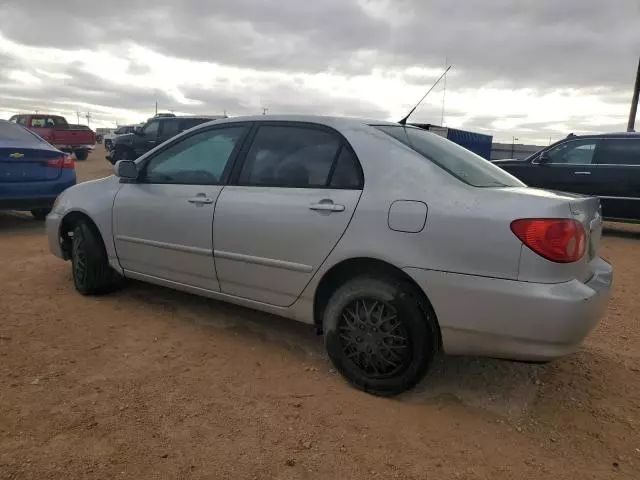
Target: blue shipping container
column 478, row 143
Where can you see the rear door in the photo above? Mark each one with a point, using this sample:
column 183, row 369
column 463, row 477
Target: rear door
column 293, row 197
column 617, row 165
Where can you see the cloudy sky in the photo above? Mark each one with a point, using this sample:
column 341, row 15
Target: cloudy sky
column 533, row 70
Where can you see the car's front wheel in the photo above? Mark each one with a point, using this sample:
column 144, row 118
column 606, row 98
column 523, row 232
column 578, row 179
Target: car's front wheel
column 380, row 334
column 92, row 274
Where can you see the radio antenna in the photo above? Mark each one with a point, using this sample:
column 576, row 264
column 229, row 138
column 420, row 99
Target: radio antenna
column 404, row 120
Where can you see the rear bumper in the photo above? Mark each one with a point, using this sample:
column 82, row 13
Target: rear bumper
column 30, row 195
column 26, row 203
column 515, row 320
column 74, row 148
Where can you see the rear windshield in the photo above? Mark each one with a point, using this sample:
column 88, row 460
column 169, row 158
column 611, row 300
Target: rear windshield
column 48, row 122
column 11, row 131
column 463, row 164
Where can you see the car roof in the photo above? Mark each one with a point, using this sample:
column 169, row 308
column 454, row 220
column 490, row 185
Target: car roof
column 605, row 135
column 330, row 121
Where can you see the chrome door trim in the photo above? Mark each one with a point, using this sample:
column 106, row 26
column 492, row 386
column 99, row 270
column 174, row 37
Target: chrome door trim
column 169, row 246
column 267, row 262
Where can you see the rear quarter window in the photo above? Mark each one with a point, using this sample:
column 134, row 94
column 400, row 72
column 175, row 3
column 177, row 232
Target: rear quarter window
column 463, row 164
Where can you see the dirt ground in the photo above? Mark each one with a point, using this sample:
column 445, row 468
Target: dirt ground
column 148, row 383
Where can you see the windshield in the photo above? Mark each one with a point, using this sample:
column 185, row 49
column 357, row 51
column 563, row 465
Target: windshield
column 458, row 161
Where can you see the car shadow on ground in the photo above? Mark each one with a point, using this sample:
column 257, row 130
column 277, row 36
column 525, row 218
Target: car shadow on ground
column 12, row 222
column 501, row 387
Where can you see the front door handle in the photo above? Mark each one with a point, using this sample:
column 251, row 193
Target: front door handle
column 326, row 206
column 200, row 199
column 582, row 173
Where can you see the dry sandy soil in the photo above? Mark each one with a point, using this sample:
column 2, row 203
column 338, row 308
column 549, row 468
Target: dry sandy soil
column 150, row 383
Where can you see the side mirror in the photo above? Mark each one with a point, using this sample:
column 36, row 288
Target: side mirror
column 126, row 169
column 543, row 158
column 137, row 130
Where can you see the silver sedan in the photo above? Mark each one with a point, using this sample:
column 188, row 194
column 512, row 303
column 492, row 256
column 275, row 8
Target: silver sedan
column 394, row 242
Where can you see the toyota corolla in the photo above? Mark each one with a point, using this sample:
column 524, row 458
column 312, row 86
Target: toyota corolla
column 394, row 242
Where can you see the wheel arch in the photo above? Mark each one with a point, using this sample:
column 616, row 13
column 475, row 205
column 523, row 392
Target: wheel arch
column 346, row 270
column 68, row 223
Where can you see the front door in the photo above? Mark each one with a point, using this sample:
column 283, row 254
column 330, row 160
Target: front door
column 147, row 139
column 292, row 200
column 163, row 223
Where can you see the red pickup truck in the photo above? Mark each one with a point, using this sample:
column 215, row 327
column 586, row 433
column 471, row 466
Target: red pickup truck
column 54, row 129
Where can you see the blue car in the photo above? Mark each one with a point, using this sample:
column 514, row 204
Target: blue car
column 32, row 172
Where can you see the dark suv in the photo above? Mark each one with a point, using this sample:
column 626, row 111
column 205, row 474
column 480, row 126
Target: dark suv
column 605, row 166
column 156, row 131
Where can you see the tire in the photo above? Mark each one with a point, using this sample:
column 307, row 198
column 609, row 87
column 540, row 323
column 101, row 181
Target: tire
column 92, row 274
column 81, row 155
column 402, row 348
column 40, row 213
column 119, row 153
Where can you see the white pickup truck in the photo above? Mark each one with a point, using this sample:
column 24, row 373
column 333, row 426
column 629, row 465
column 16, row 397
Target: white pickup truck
column 110, row 139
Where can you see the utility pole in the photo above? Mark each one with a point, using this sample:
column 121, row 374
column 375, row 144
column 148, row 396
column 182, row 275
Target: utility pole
column 156, row 108
column 264, row 111
column 513, row 146
column 88, row 115
column 78, row 117
column 634, row 102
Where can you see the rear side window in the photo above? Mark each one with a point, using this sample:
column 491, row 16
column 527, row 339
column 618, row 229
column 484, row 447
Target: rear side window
column 346, row 173
column 170, row 128
column 290, row 156
column 463, row 164
column 187, row 123
column 618, row 151
column 11, row 131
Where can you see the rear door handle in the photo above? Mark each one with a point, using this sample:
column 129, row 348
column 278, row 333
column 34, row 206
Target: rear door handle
column 326, row 206
column 582, row 173
column 200, row 199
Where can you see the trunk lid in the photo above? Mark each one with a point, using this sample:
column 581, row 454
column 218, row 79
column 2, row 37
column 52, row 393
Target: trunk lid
column 28, row 164
column 527, row 202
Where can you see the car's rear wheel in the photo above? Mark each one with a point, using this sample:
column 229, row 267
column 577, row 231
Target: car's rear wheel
column 81, row 155
column 380, row 335
column 92, row 274
column 40, row 213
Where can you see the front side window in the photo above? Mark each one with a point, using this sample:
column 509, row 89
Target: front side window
column 199, row 159
column 463, row 164
column 576, row 152
column 618, row 151
column 290, row 156
column 151, row 129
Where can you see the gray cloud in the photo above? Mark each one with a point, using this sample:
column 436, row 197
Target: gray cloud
column 546, row 45
column 549, row 43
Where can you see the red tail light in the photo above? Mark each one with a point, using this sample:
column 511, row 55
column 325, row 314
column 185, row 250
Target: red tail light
column 65, row 161
column 556, row 239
